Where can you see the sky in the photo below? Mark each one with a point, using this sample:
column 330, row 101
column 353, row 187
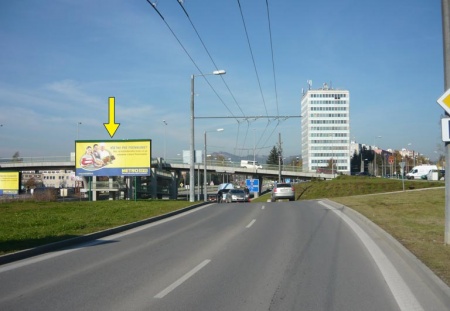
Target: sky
column 60, row 61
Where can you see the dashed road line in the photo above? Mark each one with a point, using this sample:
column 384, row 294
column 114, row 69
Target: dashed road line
column 183, row 279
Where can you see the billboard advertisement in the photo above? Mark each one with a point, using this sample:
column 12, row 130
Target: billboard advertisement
column 113, row 157
column 9, row 182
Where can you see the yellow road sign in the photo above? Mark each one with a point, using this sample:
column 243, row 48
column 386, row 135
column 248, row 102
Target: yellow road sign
column 444, row 101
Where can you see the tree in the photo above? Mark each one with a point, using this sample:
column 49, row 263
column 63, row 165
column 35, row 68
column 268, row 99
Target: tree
column 355, row 162
column 31, row 183
column 273, row 156
column 16, row 157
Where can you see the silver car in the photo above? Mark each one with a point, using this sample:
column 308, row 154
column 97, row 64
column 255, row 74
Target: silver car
column 236, row 195
column 283, row 191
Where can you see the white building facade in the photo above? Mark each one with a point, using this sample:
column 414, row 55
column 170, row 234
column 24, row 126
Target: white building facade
column 326, row 129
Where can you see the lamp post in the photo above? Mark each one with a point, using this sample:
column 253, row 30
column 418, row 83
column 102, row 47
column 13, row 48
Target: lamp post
column 165, row 134
column 192, row 147
column 205, row 196
column 78, row 129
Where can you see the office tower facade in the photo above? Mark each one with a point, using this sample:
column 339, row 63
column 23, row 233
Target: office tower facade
column 326, row 130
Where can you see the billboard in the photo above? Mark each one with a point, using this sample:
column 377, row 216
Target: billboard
column 113, row 157
column 198, row 156
column 9, row 183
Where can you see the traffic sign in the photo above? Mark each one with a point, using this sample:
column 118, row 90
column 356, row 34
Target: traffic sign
column 444, row 101
column 391, row 159
column 445, row 124
column 252, row 185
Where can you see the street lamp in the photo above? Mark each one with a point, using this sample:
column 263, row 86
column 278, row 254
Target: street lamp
column 192, row 148
column 165, row 134
column 78, row 129
column 205, row 197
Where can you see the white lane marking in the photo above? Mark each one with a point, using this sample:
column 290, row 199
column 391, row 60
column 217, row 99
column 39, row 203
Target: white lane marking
column 251, row 223
column 263, row 207
column 32, row 260
column 400, row 290
column 182, row 279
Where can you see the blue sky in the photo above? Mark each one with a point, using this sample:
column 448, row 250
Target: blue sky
column 61, row 60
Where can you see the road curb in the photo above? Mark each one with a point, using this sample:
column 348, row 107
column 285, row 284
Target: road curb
column 39, row 250
column 426, row 274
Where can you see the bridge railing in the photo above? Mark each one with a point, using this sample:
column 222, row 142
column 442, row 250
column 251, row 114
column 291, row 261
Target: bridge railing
column 154, row 161
column 36, row 159
column 273, row 167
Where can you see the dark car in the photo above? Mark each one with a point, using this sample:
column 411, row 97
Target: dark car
column 283, row 191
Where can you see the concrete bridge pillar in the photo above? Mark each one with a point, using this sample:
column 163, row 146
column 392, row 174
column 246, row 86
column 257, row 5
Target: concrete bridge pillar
column 154, row 184
column 174, row 186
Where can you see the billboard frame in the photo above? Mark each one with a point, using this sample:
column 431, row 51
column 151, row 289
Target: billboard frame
column 126, row 157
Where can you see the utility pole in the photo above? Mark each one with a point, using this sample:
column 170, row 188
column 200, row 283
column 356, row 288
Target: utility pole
column 446, row 37
column 280, row 154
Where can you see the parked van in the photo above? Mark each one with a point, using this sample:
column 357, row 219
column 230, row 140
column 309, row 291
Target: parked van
column 250, row 164
column 418, row 171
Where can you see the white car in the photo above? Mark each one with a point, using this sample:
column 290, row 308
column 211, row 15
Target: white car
column 283, row 191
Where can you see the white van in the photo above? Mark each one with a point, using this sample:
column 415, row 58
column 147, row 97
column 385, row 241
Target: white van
column 418, row 171
column 250, row 164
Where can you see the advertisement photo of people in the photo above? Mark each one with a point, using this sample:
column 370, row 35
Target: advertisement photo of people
column 113, row 158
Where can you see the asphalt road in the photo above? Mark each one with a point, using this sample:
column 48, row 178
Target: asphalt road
column 263, row 256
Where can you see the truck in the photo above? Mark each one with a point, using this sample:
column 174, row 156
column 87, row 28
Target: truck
column 250, row 164
column 418, row 171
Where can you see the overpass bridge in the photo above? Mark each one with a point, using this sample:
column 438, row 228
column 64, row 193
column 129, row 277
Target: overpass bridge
column 165, row 176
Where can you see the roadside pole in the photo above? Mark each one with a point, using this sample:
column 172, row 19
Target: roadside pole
column 446, row 40
column 402, row 170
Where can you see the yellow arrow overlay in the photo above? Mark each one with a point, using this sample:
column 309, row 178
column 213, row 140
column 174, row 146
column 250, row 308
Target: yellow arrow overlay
column 111, row 126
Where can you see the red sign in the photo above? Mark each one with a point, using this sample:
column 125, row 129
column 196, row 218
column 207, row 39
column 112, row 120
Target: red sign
column 391, row 160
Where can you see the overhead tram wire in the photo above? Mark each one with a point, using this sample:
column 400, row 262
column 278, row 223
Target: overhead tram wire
column 192, row 60
column 212, row 60
column 201, row 73
column 254, row 63
column 273, row 61
column 251, row 54
column 180, row 2
column 187, row 53
column 173, row 33
column 256, row 71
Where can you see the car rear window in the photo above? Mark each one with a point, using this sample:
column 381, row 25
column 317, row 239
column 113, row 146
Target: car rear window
column 283, row 186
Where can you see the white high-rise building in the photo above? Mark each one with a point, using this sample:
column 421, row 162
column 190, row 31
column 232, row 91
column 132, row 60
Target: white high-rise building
column 326, row 129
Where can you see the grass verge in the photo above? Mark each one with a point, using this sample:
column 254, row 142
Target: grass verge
column 29, row 224
column 415, row 219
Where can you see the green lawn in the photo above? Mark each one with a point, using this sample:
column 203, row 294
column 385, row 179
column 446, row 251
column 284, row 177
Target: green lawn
column 29, row 224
